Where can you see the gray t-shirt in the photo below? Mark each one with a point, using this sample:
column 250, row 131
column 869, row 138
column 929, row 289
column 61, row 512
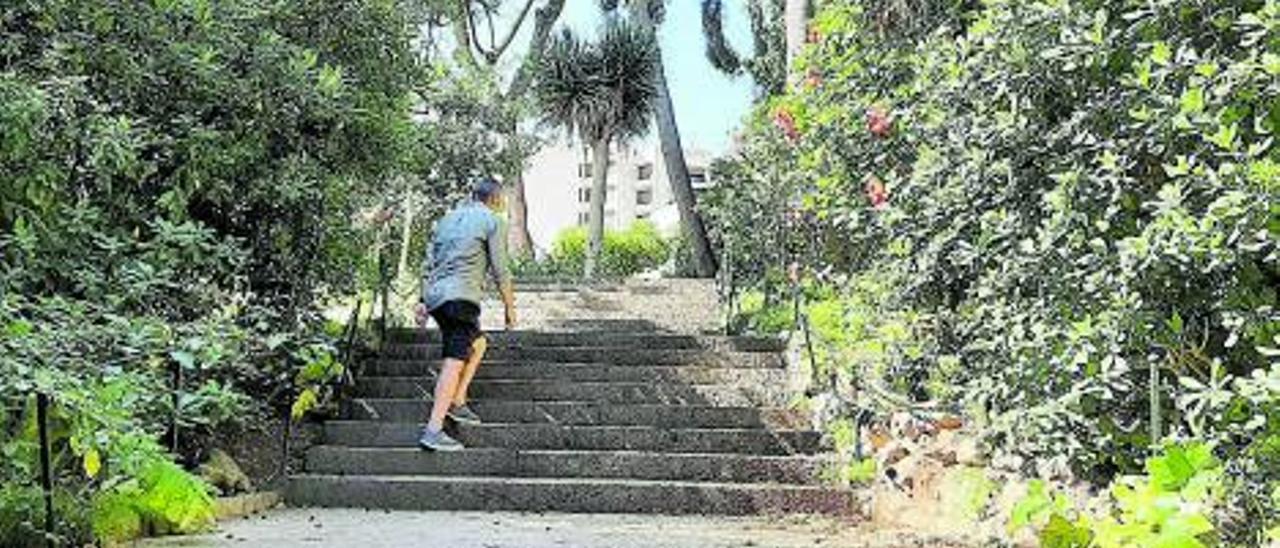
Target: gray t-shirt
column 469, row 243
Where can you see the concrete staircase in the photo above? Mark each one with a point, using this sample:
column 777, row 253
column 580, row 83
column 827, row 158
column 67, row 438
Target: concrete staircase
column 619, row 420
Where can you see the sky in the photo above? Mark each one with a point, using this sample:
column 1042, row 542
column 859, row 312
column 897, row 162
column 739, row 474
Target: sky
column 709, row 105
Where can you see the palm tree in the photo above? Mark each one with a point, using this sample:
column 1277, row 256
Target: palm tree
column 604, row 92
column 649, row 14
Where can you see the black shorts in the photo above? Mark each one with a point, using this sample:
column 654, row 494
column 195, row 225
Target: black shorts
column 459, row 323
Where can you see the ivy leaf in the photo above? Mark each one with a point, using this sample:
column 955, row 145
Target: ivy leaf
column 1161, row 54
column 1225, row 138
column 1193, row 101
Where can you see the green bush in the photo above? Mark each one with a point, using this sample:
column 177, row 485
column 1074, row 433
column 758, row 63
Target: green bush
column 1056, row 198
column 637, row 249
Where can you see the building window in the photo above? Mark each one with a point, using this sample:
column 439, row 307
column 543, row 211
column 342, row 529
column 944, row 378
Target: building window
column 698, row 176
column 644, row 172
column 583, row 217
column 584, row 170
column 644, row 197
column 584, row 195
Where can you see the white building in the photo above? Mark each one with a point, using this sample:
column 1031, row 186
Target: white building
column 558, row 188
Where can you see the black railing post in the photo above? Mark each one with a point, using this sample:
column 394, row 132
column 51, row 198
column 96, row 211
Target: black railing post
column 46, row 472
column 176, row 419
column 286, row 432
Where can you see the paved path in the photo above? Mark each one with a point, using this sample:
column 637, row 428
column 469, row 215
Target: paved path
column 369, row 529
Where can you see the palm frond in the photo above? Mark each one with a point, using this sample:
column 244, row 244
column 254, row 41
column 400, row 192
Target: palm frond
column 601, row 90
column 719, row 52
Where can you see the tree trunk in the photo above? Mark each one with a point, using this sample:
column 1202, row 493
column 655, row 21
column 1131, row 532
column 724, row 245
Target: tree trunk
column 599, row 182
column 518, row 238
column 406, row 233
column 677, row 169
column 796, row 22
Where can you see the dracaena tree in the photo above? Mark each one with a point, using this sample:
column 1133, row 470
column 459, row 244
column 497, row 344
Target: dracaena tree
column 603, row 92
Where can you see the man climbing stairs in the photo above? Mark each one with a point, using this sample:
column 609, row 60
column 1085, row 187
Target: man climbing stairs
column 619, row 421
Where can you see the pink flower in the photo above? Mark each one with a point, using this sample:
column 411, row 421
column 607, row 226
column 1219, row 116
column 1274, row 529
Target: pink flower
column 879, row 122
column 876, row 192
column 813, row 80
column 787, row 123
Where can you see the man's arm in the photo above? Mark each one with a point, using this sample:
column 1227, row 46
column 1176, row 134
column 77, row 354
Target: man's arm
column 427, row 265
column 498, row 269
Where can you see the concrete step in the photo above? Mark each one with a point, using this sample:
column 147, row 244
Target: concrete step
column 612, row 355
column 583, row 438
column 565, row 495
column 729, row 468
column 590, row 414
column 510, row 339
column 586, row 372
column 553, row 390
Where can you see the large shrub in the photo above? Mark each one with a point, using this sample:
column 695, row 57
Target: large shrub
column 1065, row 207
column 638, row 248
column 183, row 189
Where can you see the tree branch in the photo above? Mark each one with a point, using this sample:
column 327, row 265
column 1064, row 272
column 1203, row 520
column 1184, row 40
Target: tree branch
column 524, row 12
column 543, row 22
column 719, row 52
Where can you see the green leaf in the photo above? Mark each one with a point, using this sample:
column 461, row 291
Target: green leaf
column 185, row 359
column 1193, row 101
column 1161, row 53
column 1225, row 138
column 1172, row 470
column 92, row 463
column 306, row 401
column 18, row 329
column 1061, row 533
column 1032, row 506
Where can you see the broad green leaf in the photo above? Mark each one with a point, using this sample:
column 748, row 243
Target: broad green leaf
column 185, row 359
column 306, row 401
column 92, row 463
column 1061, row 533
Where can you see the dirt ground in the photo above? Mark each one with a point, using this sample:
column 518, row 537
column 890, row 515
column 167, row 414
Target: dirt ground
column 368, row 529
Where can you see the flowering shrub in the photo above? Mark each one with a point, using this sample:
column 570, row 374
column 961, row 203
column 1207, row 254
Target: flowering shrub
column 1075, row 205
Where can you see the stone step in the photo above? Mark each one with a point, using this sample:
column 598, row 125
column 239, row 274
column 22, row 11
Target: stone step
column 584, row 438
column 590, row 414
column 580, row 495
column 728, row 468
column 612, row 355
column 586, row 372
column 509, row 339
column 554, row 390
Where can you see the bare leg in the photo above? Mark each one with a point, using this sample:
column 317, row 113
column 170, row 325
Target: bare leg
column 446, row 384
column 478, row 349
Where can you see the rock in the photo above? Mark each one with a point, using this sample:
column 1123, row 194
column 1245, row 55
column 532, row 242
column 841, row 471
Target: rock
column 1009, row 463
column 892, row 453
column 875, row 437
column 968, row 451
column 949, row 423
column 222, row 472
column 945, row 448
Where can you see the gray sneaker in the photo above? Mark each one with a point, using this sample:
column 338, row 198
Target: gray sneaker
column 464, row 415
column 438, row 441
